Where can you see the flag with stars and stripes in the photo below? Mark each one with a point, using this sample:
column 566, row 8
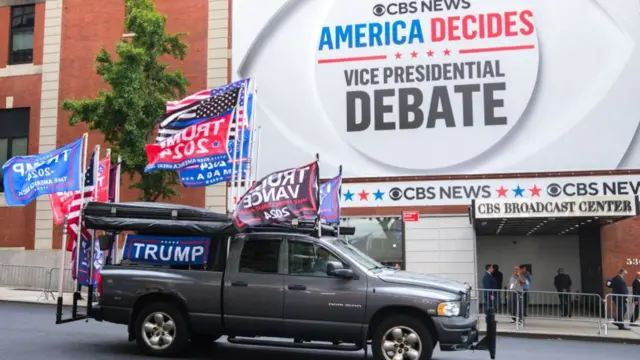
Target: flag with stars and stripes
column 222, row 100
column 80, row 199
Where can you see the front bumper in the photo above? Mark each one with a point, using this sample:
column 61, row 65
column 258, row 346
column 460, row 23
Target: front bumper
column 459, row 333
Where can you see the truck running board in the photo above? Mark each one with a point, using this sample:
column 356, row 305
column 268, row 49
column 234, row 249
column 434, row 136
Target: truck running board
column 292, row 344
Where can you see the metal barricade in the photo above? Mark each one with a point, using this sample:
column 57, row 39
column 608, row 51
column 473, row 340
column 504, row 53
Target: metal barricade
column 54, row 280
column 566, row 306
column 503, row 301
column 621, row 310
column 24, row 277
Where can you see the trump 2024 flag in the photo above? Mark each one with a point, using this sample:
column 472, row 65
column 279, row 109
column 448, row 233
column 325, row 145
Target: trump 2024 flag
column 280, row 197
column 205, row 141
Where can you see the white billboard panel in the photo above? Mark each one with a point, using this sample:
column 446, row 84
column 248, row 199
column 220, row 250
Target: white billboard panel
column 396, row 88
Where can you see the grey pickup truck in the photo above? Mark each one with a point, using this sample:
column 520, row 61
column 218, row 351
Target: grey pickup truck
column 276, row 286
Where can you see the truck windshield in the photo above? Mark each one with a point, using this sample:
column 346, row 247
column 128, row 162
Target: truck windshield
column 357, row 255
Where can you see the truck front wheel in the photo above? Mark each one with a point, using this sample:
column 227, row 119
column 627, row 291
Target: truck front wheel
column 401, row 337
column 161, row 329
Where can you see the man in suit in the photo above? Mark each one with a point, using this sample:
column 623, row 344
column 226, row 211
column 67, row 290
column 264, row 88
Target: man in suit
column 562, row 282
column 619, row 290
column 635, row 287
column 497, row 274
column 490, row 286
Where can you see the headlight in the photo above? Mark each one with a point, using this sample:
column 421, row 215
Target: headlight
column 451, row 308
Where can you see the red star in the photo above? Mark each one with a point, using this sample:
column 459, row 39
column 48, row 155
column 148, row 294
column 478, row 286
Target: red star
column 502, row 192
column 363, row 195
column 447, row 52
column 414, row 54
column 398, row 55
column 535, row 191
column 430, row 53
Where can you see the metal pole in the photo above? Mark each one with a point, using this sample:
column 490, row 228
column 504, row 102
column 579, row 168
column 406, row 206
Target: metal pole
column 116, row 199
column 92, row 241
column 61, row 277
column 79, row 237
column 318, row 194
column 257, row 158
column 339, row 198
column 252, row 119
column 242, row 179
column 234, row 158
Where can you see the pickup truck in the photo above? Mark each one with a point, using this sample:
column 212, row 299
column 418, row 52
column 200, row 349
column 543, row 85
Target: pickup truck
column 318, row 292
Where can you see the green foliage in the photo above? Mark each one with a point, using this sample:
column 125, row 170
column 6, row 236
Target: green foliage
column 140, row 85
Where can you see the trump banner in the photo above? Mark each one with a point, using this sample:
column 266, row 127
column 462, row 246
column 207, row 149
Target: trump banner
column 199, row 143
column 330, row 200
column 166, row 250
column 60, row 203
column 280, row 197
column 102, row 186
column 83, row 264
column 27, row 177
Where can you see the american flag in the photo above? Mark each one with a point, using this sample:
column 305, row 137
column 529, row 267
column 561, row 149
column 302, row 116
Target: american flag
column 200, row 95
column 78, row 202
column 223, row 98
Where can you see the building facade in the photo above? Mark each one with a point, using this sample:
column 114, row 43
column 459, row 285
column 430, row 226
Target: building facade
column 428, row 106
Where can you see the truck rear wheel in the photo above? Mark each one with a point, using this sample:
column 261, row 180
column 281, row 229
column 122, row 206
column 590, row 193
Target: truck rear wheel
column 401, row 337
column 161, row 329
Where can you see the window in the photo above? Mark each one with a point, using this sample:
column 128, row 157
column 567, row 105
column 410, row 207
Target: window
column 14, row 135
column 21, row 42
column 379, row 237
column 260, row 256
column 309, row 259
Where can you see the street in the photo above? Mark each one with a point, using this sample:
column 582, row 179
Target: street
column 27, row 331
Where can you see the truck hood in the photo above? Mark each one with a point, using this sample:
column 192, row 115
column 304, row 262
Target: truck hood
column 423, row 280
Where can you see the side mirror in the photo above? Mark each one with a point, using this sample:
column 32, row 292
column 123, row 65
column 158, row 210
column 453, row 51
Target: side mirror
column 106, row 242
column 336, row 269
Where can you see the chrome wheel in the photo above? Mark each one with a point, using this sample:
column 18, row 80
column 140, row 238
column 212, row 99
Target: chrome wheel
column 401, row 342
column 158, row 330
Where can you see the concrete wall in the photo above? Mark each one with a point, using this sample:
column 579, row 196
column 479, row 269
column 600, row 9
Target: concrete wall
column 442, row 245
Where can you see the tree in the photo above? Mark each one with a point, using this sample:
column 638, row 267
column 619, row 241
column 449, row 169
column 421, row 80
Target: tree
column 127, row 113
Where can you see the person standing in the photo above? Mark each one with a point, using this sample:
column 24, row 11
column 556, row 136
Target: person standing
column 525, row 295
column 635, row 287
column 620, row 292
column 490, row 286
column 516, row 290
column 499, row 282
column 562, row 282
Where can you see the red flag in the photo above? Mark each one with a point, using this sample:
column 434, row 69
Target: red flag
column 60, row 205
column 102, row 185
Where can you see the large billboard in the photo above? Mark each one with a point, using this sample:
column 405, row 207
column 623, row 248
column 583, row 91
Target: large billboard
column 439, row 87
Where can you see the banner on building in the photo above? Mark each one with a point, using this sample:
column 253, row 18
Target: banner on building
column 588, row 206
column 200, row 143
column 27, row 177
column 166, row 250
column 280, row 197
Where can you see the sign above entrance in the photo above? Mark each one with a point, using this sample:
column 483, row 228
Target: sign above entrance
column 588, row 206
column 410, row 216
column 461, row 192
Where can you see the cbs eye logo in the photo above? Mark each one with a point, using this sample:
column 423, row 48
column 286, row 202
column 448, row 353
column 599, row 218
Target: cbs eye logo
column 379, row 10
column 395, row 194
column 554, row 190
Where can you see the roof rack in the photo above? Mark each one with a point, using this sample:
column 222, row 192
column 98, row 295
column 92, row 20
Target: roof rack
column 308, row 227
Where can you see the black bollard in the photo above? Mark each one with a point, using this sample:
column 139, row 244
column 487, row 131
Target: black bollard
column 492, row 332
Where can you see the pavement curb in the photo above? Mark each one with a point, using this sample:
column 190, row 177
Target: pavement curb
column 543, row 336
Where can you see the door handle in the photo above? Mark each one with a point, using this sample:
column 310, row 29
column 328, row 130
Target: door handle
column 239, row 283
column 297, row 287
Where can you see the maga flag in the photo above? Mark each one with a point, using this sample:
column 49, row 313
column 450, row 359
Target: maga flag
column 280, row 197
column 330, row 200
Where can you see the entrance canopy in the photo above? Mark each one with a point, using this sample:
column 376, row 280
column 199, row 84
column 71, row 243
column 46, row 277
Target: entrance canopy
column 553, row 216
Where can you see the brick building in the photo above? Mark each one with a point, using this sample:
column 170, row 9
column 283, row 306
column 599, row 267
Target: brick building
column 47, row 51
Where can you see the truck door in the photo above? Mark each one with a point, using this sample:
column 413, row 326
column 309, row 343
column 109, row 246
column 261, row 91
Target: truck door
column 317, row 306
column 253, row 286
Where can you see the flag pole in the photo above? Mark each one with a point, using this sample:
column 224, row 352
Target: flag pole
column 76, row 294
column 319, row 218
column 61, row 277
column 252, row 119
column 254, row 172
column 234, row 157
column 116, row 199
column 92, row 241
column 339, row 198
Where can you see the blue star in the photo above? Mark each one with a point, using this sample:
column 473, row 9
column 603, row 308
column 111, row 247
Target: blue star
column 518, row 191
column 378, row 195
column 348, row 196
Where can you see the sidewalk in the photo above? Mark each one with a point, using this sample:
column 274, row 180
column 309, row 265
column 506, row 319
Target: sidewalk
column 535, row 328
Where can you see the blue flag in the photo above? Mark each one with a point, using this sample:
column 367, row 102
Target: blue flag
column 330, row 200
column 212, row 173
column 27, row 177
column 83, row 262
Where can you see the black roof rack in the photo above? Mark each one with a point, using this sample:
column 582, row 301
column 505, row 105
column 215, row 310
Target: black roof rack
column 307, row 227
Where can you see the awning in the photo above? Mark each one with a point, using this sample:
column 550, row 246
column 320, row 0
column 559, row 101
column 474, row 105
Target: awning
column 557, row 216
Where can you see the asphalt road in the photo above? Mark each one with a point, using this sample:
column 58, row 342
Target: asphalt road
column 27, row 331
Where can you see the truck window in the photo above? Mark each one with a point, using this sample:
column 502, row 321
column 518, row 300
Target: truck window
column 308, row 259
column 260, row 256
